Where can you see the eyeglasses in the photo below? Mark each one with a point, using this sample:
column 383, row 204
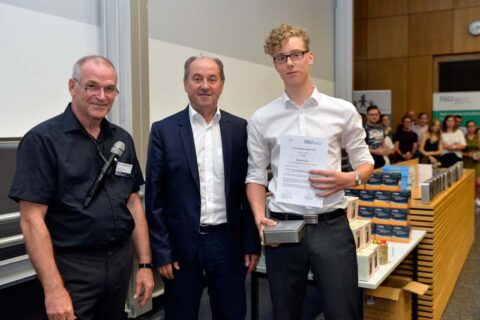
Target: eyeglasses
column 294, row 55
column 93, row 88
column 373, row 114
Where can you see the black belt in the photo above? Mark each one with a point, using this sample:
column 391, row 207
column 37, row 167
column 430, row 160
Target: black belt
column 309, row 218
column 210, row 228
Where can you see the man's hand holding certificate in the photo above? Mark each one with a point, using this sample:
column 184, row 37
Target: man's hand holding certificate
column 298, row 157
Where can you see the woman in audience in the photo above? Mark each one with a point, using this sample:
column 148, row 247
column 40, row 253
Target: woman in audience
column 471, row 155
column 430, row 146
column 385, row 122
column 453, row 142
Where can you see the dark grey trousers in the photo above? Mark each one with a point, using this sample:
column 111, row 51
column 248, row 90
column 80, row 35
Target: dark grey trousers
column 328, row 250
column 97, row 280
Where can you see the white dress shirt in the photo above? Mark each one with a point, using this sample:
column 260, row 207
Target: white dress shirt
column 208, row 147
column 455, row 137
column 320, row 116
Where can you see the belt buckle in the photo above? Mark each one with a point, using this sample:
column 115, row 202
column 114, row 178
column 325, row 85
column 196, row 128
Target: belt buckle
column 311, row 218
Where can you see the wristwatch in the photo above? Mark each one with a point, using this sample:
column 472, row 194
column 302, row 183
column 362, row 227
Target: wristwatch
column 145, row 266
column 358, row 180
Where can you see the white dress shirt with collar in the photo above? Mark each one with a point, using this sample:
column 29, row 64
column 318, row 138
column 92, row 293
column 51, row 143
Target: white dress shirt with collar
column 208, row 147
column 320, row 116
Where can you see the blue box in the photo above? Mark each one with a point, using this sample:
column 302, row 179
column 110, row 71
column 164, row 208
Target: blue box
column 375, row 181
column 383, row 231
column 382, row 199
column 365, row 212
column 400, row 199
column 401, row 233
column 351, row 192
column 404, row 171
column 366, row 195
column 381, row 214
column 398, row 215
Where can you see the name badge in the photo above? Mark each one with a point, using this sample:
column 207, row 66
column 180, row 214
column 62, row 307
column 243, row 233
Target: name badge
column 123, row 169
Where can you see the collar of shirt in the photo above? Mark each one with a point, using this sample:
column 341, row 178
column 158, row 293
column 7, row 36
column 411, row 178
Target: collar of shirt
column 312, row 101
column 198, row 118
column 71, row 123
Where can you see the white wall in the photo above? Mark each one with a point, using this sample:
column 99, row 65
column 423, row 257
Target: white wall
column 237, row 28
column 233, row 31
column 37, row 52
column 248, row 85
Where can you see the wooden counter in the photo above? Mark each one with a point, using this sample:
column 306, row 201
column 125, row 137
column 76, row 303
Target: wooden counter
column 449, row 222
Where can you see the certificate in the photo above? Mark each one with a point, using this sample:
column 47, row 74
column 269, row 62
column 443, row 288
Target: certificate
column 298, row 155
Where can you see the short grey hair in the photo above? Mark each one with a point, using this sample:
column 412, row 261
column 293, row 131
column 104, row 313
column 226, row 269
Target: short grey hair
column 77, row 67
column 189, row 61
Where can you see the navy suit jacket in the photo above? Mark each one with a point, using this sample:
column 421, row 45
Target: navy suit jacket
column 172, row 194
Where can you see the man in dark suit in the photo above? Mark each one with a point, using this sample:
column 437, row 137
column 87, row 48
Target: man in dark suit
column 201, row 227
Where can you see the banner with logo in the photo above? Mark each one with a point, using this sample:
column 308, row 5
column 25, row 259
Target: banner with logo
column 362, row 99
column 465, row 104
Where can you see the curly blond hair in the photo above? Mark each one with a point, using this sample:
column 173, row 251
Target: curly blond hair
column 278, row 36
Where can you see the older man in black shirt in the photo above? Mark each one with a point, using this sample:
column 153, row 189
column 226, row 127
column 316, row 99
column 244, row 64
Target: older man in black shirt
column 83, row 253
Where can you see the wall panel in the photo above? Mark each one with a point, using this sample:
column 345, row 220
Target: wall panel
column 360, row 9
column 420, row 83
column 360, row 39
column 390, row 74
column 462, row 40
column 360, row 75
column 465, row 3
column 387, row 37
column 416, row 6
column 384, row 8
column 430, row 33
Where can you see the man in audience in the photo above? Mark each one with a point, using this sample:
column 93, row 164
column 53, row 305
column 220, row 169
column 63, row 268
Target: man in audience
column 375, row 136
column 406, row 141
column 458, row 123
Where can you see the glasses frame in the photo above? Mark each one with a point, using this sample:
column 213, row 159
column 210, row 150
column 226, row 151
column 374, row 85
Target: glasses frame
column 90, row 88
column 286, row 56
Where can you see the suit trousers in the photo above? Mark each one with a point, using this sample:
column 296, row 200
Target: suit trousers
column 328, row 250
column 215, row 267
column 97, row 279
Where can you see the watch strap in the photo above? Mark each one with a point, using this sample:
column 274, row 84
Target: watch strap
column 145, row 266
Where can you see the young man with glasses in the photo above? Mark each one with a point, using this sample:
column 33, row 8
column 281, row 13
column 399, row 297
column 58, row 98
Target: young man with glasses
column 375, row 136
column 83, row 253
column 327, row 248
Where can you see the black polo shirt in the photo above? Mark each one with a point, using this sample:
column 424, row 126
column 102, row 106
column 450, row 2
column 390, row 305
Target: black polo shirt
column 406, row 140
column 57, row 163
